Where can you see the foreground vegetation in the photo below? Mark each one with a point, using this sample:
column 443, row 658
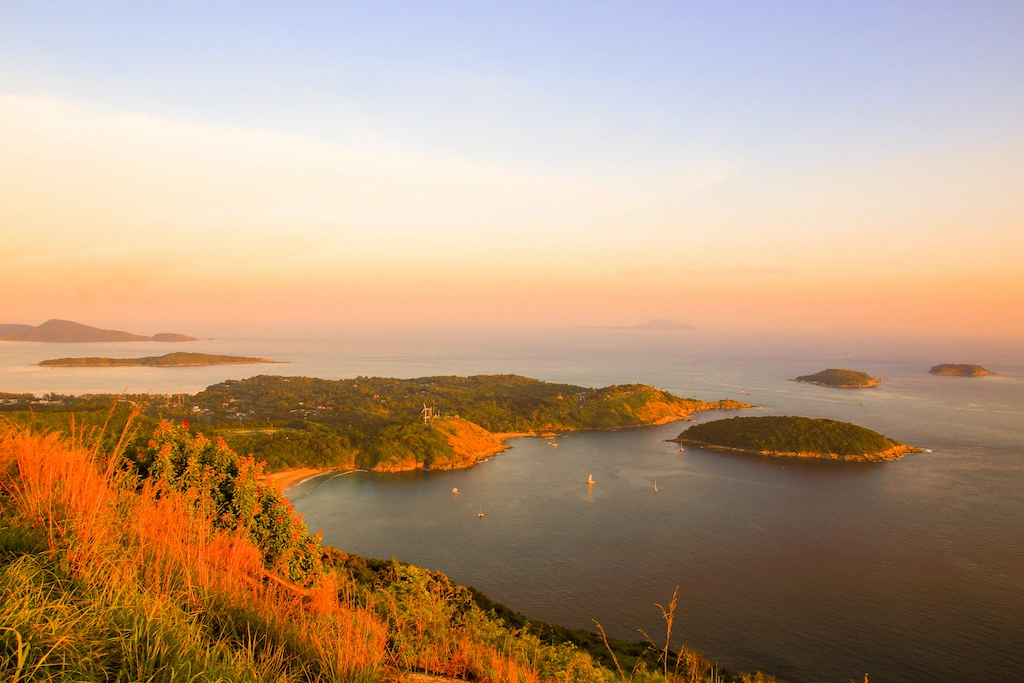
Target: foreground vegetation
column 378, row 423
column 168, row 557
column 841, row 379
column 960, row 370
column 179, row 359
column 795, row 436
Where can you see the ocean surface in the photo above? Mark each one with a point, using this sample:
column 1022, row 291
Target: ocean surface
column 911, row 570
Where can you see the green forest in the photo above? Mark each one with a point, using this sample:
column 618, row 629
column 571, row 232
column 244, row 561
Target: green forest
column 834, row 377
column 366, row 421
column 786, row 434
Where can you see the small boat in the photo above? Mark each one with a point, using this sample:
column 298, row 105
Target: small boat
column 745, row 393
column 681, row 449
column 455, row 491
column 481, row 513
column 928, row 450
column 552, row 443
column 590, row 480
column 861, row 405
column 655, row 485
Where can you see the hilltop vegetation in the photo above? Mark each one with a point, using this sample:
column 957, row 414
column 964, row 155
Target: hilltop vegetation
column 795, row 436
column 168, row 558
column 377, row 423
column 842, row 379
column 179, row 359
column 960, row 370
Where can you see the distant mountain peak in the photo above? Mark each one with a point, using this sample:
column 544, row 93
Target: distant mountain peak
column 56, row 330
column 658, row 324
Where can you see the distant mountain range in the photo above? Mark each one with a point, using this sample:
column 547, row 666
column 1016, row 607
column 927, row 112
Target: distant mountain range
column 68, row 331
column 657, row 324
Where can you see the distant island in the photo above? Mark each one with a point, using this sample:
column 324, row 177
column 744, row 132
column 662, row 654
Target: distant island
column 657, row 324
column 960, row 370
column 170, row 360
column 841, row 379
column 800, row 437
column 68, row 331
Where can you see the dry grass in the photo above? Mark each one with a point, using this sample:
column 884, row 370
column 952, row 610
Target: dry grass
column 104, row 579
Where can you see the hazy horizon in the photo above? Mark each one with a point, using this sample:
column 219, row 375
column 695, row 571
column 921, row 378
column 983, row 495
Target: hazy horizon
column 246, row 167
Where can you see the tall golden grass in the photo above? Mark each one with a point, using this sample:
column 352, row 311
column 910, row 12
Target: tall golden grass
column 108, row 577
column 104, row 577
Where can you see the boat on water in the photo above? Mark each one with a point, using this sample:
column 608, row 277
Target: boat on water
column 590, row 480
column 681, row 449
column 552, row 443
column 455, row 491
column 655, row 485
column 481, row 513
column 745, row 393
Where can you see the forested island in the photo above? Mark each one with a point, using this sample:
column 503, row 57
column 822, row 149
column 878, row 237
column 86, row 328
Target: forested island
column 841, row 379
column 800, row 437
column 960, row 370
column 376, row 423
column 170, row 360
column 70, row 331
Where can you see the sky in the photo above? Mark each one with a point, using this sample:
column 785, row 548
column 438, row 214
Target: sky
column 224, row 167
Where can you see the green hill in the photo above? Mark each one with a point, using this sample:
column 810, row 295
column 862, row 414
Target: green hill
column 179, row 359
column 842, row 379
column 960, row 370
column 795, row 436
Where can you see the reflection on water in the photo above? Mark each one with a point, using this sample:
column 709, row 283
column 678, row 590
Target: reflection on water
column 911, row 570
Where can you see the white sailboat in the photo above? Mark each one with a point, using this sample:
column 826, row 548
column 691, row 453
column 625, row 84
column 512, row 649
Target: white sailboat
column 590, row 480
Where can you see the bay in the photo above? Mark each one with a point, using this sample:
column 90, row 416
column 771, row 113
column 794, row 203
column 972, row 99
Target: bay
column 816, row 571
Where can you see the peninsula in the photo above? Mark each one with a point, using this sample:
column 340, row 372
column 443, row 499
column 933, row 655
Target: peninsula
column 383, row 424
column 841, row 379
column 170, row 360
column 69, row 331
column 799, row 437
column 960, row 370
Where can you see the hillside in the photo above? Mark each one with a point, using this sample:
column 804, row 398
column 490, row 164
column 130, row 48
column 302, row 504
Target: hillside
column 960, row 370
column 377, row 423
column 180, row 359
column 68, row 331
column 841, row 379
column 173, row 559
column 795, row 436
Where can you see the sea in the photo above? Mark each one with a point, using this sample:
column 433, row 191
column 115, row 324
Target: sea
column 911, row 570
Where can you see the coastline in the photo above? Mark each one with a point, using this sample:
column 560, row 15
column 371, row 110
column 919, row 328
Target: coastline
column 871, row 385
column 894, row 453
column 285, row 479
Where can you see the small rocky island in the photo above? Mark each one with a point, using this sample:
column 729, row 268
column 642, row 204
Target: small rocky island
column 841, row 379
column 960, row 370
column 170, row 360
column 799, row 437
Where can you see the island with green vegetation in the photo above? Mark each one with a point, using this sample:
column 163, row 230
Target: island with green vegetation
column 383, row 424
column 960, row 370
column 800, row 437
column 841, row 379
column 70, row 331
column 170, row 360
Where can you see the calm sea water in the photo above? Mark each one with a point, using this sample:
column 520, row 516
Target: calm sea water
column 816, row 571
